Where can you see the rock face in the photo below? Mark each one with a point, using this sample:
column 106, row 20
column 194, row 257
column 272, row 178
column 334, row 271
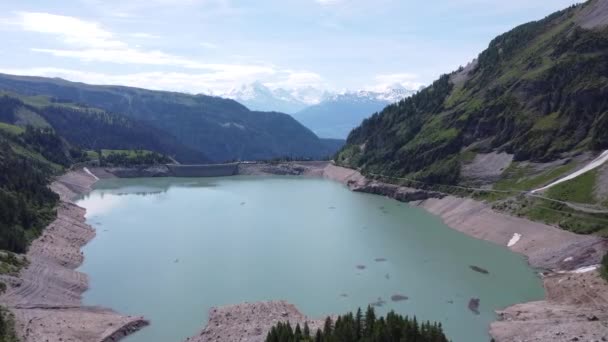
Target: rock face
column 399, row 193
column 251, row 322
column 46, row 296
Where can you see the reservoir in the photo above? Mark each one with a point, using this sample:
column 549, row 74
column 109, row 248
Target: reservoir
column 171, row 248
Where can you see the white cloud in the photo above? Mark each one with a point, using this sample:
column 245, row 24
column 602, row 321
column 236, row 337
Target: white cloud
column 407, row 80
column 89, row 42
column 208, row 45
column 329, row 2
column 215, row 82
column 144, row 35
column 298, row 79
column 70, row 30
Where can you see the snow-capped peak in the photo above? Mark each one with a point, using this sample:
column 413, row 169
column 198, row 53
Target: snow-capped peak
column 258, row 96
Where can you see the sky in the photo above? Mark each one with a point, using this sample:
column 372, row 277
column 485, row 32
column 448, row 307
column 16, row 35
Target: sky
column 211, row 46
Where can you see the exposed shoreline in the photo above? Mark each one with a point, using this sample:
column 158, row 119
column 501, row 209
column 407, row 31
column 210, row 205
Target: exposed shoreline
column 46, row 297
column 576, row 304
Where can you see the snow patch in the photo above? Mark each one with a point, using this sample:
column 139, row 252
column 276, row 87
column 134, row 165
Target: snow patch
column 516, row 237
column 90, row 173
column 586, row 269
column 583, row 269
column 232, row 124
column 595, row 163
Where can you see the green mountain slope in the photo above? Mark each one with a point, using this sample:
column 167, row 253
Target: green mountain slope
column 92, row 128
column 539, row 92
column 28, row 158
column 221, row 129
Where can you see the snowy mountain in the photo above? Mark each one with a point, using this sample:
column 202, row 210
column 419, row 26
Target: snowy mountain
column 328, row 114
column 336, row 115
column 256, row 96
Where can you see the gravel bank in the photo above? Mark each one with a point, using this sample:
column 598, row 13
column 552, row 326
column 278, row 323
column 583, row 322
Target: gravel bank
column 250, row 322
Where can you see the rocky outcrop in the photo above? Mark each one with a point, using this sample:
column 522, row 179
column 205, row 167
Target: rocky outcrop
column 576, row 309
column 399, row 193
column 251, row 322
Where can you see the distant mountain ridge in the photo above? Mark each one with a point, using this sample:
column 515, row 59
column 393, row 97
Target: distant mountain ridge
column 218, row 128
column 257, row 96
column 327, row 114
column 338, row 114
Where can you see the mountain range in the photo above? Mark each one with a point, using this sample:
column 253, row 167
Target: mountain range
column 328, row 114
column 336, row 115
column 214, row 128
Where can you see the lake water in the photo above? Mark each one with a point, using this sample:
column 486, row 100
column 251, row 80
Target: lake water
column 170, row 249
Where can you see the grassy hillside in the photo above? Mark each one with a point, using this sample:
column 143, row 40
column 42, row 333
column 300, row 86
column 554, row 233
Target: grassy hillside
column 91, row 128
column 219, row 128
column 539, row 92
column 537, row 95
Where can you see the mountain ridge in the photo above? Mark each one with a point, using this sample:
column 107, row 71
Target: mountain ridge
column 221, row 129
column 521, row 96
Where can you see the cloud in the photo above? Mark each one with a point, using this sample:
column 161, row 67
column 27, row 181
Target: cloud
column 328, row 2
column 89, row 42
column 298, row 79
column 404, row 79
column 70, row 30
column 216, row 82
column 208, row 45
column 144, row 35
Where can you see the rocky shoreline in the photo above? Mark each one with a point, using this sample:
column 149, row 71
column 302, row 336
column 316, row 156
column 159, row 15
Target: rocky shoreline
column 45, row 298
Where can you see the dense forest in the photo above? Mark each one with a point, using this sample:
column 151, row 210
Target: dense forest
column 131, row 158
column 537, row 92
column 27, row 205
column 361, row 327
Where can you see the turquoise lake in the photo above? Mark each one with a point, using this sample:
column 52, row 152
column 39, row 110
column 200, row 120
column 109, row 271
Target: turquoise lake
column 171, row 248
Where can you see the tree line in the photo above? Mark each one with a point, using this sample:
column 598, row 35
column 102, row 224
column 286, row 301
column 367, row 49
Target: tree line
column 361, row 327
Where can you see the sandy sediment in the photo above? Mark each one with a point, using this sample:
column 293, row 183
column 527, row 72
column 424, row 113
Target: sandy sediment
column 46, row 296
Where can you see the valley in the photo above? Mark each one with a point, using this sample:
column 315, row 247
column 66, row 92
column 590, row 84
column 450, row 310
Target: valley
column 471, row 209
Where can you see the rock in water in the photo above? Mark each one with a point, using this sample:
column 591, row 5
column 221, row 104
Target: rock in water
column 479, row 269
column 474, row 305
column 399, row 298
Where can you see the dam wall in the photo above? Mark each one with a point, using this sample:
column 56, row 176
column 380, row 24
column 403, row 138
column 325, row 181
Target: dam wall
column 210, row 170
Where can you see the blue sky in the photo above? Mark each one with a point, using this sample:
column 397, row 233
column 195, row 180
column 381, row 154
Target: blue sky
column 213, row 45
